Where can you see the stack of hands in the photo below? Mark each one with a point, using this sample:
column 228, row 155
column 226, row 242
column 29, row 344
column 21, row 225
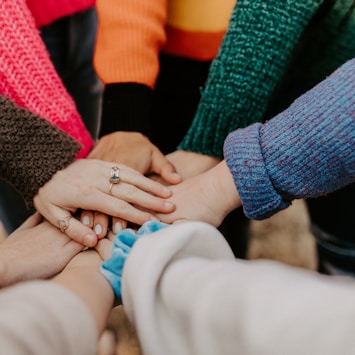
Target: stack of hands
column 94, row 198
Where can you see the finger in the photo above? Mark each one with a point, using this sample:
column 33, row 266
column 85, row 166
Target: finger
column 101, row 221
column 132, row 177
column 118, row 225
column 103, row 247
column 119, row 208
column 73, row 228
column 111, row 236
column 87, row 218
column 163, row 167
column 133, row 195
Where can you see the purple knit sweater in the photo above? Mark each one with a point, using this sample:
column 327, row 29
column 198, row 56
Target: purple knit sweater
column 306, row 151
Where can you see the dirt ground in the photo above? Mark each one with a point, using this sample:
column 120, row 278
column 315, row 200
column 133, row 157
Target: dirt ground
column 284, row 237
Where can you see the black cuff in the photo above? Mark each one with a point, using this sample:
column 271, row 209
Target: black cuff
column 126, row 107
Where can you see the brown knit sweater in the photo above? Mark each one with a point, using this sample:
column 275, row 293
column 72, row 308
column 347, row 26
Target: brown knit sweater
column 31, row 149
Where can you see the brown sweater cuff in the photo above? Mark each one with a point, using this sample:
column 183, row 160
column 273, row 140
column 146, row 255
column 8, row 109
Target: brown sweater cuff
column 31, row 149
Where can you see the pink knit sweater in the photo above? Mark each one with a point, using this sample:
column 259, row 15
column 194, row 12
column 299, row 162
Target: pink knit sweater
column 47, row 11
column 28, row 77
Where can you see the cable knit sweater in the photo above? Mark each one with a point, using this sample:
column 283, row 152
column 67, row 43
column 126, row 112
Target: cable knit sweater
column 132, row 34
column 306, row 151
column 31, row 149
column 28, row 77
column 273, row 52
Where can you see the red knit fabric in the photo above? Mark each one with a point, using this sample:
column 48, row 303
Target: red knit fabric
column 47, row 11
column 28, row 77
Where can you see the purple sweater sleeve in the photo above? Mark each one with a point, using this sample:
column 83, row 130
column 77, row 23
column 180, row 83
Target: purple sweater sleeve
column 305, row 151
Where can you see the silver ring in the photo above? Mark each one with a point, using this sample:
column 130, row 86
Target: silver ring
column 64, row 223
column 114, row 178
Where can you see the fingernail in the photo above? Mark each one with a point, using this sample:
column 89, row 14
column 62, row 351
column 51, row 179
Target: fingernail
column 89, row 240
column 167, row 190
column 117, row 227
column 154, row 219
column 86, row 220
column 98, row 229
column 168, row 204
column 177, row 175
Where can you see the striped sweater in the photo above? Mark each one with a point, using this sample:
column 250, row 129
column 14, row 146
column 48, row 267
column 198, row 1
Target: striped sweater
column 131, row 36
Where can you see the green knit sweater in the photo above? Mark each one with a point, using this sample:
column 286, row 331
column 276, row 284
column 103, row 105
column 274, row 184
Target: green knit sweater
column 273, row 51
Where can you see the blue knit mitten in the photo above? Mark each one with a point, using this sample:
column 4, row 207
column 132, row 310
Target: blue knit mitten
column 112, row 268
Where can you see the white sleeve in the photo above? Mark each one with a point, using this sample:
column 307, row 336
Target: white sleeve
column 42, row 318
column 186, row 294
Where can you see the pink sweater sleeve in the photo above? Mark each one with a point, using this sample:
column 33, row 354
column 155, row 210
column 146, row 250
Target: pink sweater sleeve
column 28, row 77
column 47, row 11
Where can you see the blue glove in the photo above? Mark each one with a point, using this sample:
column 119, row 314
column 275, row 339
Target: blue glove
column 112, row 268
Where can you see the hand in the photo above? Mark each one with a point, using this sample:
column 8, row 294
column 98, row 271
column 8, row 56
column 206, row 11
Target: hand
column 207, row 197
column 189, row 164
column 85, row 184
column 136, row 151
column 99, row 223
column 35, row 250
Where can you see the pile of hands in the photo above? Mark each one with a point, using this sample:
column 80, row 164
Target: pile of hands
column 82, row 201
column 125, row 182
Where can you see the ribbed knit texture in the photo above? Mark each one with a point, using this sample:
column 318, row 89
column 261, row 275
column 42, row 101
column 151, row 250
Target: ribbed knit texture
column 47, row 11
column 31, row 149
column 131, row 36
column 28, row 77
column 256, row 55
column 126, row 107
column 305, row 151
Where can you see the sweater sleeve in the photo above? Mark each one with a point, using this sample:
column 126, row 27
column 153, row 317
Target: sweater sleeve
column 40, row 317
column 185, row 293
column 252, row 58
column 130, row 36
column 305, row 151
column 28, row 77
column 31, row 149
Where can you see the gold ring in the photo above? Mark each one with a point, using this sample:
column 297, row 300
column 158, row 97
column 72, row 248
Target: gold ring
column 110, row 188
column 64, row 223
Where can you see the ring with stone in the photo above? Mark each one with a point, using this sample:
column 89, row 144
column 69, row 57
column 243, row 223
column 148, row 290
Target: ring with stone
column 64, row 223
column 114, row 178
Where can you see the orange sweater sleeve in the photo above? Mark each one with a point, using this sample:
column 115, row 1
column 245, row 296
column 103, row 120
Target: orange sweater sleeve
column 130, row 36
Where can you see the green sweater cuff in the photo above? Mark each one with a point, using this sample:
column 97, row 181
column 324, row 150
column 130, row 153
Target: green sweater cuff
column 253, row 57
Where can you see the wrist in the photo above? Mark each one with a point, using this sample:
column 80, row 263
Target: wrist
column 228, row 193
